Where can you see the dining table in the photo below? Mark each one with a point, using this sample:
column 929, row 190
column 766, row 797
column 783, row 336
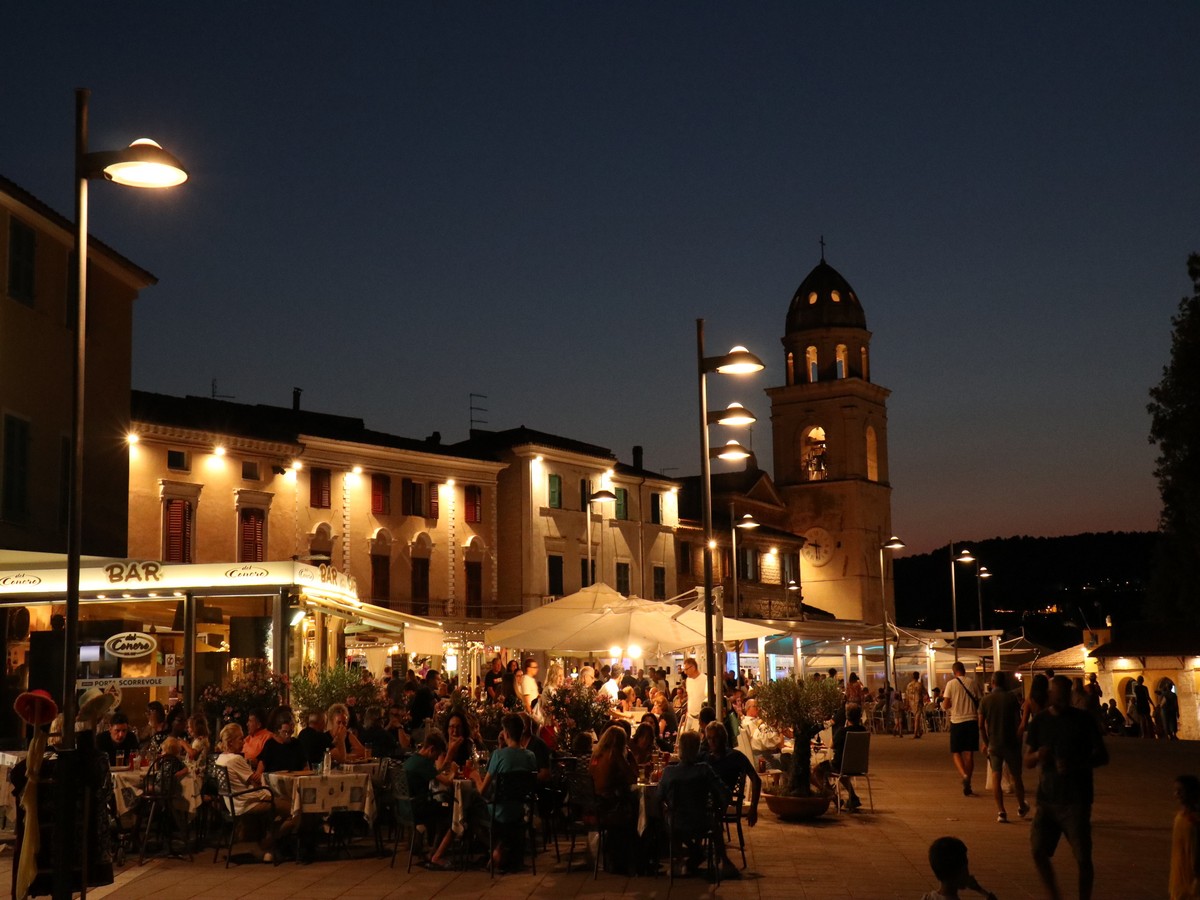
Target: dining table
column 307, row 793
column 647, row 804
column 129, row 786
column 466, row 792
column 8, row 800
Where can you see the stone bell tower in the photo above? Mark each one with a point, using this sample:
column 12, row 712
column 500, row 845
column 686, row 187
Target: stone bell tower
column 829, row 429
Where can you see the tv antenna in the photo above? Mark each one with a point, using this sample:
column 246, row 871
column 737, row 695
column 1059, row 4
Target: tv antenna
column 474, row 408
column 217, row 396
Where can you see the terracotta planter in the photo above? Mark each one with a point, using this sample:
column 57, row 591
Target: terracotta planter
column 796, row 809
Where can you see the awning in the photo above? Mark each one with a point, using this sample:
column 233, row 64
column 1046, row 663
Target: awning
column 418, row 634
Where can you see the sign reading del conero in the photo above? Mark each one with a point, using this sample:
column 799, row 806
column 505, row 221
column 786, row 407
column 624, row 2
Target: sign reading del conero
column 111, row 579
column 131, row 645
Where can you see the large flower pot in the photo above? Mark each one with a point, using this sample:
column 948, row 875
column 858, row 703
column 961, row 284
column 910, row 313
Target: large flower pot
column 795, row 809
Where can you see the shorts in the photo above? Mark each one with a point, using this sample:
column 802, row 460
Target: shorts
column 998, row 760
column 1053, row 820
column 964, row 737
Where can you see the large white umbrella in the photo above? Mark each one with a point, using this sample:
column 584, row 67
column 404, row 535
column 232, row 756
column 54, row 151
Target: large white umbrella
column 731, row 629
column 598, row 618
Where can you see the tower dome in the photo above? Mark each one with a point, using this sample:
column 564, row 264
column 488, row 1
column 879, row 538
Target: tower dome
column 825, row 300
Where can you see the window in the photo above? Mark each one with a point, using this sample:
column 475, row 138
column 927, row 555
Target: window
column 252, row 525
column 810, row 363
column 554, row 491
column 623, row 578
column 835, row 296
column 748, row 563
column 420, row 586
column 843, row 361
column 22, row 244
column 475, row 590
column 872, row 454
column 250, row 471
column 435, row 499
column 412, row 498
column 791, row 368
column 622, row 503
column 15, row 502
column 812, row 451
column 660, row 582
column 473, row 503
column 585, row 491
column 381, row 577
column 320, row 493
column 791, row 567
column 381, row 498
column 554, row 575
column 683, row 562
column 866, row 375
column 587, row 577
column 177, row 530
column 656, row 515
column 178, row 461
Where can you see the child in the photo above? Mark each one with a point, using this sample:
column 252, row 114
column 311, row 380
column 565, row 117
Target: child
column 1185, row 840
column 948, row 859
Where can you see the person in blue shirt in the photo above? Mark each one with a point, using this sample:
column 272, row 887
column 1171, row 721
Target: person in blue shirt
column 511, row 757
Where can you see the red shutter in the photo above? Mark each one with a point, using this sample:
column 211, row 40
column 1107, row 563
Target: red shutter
column 381, row 495
column 473, row 503
column 433, row 499
column 319, row 494
column 251, row 537
column 177, row 543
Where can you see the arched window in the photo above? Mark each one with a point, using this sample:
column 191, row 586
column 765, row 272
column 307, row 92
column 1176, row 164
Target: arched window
column 791, row 368
column 381, row 567
column 872, row 454
column 475, row 552
column 813, row 455
column 422, row 550
column 842, row 361
column 865, row 373
column 320, row 543
column 810, row 363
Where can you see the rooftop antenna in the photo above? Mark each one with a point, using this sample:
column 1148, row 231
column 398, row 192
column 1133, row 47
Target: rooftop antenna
column 217, row 396
column 822, row 248
column 474, row 408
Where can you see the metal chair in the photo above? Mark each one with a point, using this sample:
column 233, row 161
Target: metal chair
column 688, row 820
column 734, row 814
column 227, row 805
column 516, row 787
column 856, row 757
column 582, row 816
column 160, row 790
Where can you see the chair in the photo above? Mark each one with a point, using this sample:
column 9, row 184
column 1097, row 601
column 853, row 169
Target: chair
column 405, row 816
column 516, row 787
column 734, row 814
column 688, row 820
column 856, row 755
column 160, row 791
column 227, row 805
column 582, row 815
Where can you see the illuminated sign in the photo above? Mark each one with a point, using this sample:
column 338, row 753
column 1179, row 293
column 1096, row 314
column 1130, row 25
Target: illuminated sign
column 131, row 645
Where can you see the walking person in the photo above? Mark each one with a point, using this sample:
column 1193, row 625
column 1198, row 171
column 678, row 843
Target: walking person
column 999, row 717
column 963, row 706
column 1066, row 743
column 1184, row 881
column 916, row 697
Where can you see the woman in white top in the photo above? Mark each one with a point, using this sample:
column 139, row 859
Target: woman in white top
column 261, row 803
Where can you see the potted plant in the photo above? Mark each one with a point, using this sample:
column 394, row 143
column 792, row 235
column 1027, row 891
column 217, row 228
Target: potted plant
column 803, row 706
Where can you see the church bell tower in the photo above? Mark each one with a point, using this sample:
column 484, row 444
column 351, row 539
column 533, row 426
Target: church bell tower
column 829, row 430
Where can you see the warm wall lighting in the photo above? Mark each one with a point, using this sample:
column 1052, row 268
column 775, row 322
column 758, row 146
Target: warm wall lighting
column 357, row 470
column 219, row 450
column 634, row 651
column 132, row 438
column 450, row 482
column 297, row 465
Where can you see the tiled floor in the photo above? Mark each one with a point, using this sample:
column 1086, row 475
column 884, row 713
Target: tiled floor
column 918, row 797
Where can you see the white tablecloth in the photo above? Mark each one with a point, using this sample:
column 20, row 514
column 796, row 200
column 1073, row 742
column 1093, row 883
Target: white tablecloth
column 324, row 794
column 370, row 767
column 128, row 787
column 465, row 794
column 648, row 806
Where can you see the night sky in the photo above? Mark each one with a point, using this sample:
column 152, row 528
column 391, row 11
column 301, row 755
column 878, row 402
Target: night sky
column 394, row 205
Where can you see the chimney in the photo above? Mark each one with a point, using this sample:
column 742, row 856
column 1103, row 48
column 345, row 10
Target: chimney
column 296, row 392
column 637, row 456
column 435, row 439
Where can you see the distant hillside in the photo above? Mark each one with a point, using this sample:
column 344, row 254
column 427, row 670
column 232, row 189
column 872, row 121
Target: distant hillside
column 1085, row 577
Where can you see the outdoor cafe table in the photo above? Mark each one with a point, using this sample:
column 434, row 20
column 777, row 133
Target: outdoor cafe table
column 647, row 803
column 465, row 793
column 370, row 767
column 324, row 794
column 128, row 786
column 8, row 802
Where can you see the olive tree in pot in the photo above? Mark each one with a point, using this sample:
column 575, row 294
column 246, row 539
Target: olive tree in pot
column 804, row 706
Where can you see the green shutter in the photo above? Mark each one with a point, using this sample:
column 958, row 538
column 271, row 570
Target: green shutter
column 555, row 485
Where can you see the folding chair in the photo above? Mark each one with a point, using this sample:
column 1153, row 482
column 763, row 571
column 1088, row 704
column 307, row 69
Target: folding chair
column 734, row 813
column 856, row 756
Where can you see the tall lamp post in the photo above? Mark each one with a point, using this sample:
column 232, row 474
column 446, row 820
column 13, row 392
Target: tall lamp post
column 142, row 164
column 738, row 361
column 981, row 572
column 746, row 522
column 603, row 496
column 964, row 557
column 893, row 543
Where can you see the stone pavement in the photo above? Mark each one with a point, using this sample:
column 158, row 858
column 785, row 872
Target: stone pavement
column 918, row 797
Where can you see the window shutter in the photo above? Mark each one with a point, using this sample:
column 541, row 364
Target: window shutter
column 473, row 501
column 319, row 493
column 381, row 578
column 622, row 503
column 177, row 546
column 656, row 509
column 554, row 500
column 434, row 499
column 253, row 522
column 406, row 486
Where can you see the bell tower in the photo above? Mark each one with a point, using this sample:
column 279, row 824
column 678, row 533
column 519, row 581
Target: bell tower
column 829, row 430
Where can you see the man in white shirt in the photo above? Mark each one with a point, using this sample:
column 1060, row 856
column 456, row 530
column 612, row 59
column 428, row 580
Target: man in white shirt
column 696, row 695
column 612, row 687
column 527, row 689
column 963, row 706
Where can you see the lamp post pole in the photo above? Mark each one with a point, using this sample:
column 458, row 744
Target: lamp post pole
column 889, row 671
column 964, row 557
column 706, row 516
column 981, row 572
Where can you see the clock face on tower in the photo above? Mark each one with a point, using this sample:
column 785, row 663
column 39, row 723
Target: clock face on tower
column 818, row 546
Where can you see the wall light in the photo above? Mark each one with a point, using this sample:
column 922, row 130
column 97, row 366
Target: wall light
column 297, row 465
column 132, row 437
column 357, row 470
column 219, row 450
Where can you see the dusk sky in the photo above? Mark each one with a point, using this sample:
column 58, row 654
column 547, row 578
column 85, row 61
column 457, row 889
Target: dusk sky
column 394, row 205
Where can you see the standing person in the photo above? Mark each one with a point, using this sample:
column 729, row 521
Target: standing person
column 962, row 704
column 527, row 690
column 999, row 718
column 856, row 692
column 695, row 695
column 1168, row 704
column 1067, row 745
column 1038, row 699
column 1184, row 881
column 1144, row 708
column 493, row 681
column 1095, row 699
column 915, row 696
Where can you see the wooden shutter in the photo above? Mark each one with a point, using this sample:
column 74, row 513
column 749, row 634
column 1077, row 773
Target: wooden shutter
column 473, row 501
column 319, row 488
column 253, row 526
column 177, row 540
column 434, row 499
column 381, row 495
column 554, row 500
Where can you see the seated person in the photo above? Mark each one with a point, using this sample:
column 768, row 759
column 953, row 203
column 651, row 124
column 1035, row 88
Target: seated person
column 731, row 765
column 694, row 798
column 314, row 738
column 257, row 735
column 198, row 745
column 344, row 743
column 1114, row 720
column 118, row 739
column 644, row 745
column 853, row 723
column 613, row 776
column 431, row 764
column 765, row 741
column 374, row 735
column 509, row 815
column 260, row 803
column 283, row 753
column 458, row 738
column 155, row 731
column 401, row 739
column 172, row 767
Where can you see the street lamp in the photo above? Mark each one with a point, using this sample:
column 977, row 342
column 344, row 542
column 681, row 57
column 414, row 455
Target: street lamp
column 142, row 164
column 738, row 361
column 964, row 557
column 892, row 543
column 981, row 572
column 603, row 496
column 746, row 522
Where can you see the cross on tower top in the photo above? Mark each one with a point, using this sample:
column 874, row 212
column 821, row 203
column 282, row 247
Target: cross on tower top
column 822, row 248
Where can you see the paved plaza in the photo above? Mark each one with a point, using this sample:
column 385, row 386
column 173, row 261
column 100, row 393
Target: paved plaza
column 917, row 798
